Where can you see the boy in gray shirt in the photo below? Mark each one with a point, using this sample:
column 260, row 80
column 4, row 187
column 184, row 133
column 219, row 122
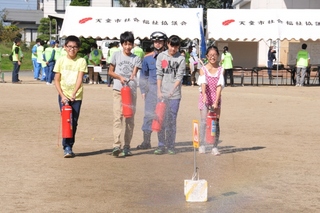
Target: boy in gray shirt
column 123, row 69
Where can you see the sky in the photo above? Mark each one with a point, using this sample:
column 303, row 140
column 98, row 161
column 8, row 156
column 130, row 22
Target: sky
column 18, row 4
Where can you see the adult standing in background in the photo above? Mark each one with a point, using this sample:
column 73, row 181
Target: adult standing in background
column 138, row 51
column 40, row 50
column 113, row 47
column 17, row 56
column 36, row 65
column 226, row 62
column 271, row 57
column 57, row 50
column 95, row 57
column 48, row 57
column 302, row 62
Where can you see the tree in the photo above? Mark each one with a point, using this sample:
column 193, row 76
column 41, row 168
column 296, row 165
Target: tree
column 80, row 3
column 9, row 33
column 45, row 30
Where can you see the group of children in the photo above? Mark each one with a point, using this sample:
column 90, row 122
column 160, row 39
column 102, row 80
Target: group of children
column 161, row 76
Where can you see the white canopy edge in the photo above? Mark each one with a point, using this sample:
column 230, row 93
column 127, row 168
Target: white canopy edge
column 263, row 24
column 110, row 22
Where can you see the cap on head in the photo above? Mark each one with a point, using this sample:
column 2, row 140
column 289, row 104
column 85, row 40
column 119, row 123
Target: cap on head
column 52, row 43
column 137, row 42
column 158, row 36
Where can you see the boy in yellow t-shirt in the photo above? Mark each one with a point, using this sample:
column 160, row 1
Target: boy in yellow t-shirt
column 69, row 71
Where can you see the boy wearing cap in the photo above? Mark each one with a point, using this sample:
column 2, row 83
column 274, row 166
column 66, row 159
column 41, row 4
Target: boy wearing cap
column 49, row 59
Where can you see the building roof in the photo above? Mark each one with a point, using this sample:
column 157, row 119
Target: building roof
column 18, row 15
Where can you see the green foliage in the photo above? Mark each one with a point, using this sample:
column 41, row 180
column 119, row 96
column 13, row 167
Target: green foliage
column 80, row 3
column 8, row 33
column 44, row 29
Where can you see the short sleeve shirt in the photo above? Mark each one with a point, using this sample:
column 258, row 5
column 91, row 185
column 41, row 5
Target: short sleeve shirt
column 124, row 66
column 69, row 70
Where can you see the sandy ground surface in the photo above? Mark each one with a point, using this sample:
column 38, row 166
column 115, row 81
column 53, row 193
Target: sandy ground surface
column 269, row 163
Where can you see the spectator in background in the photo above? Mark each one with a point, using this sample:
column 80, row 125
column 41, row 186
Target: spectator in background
column 95, row 58
column 57, row 50
column 302, row 63
column 36, row 65
column 138, row 51
column 40, row 50
column 271, row 58
column 226, row 62
column 17, row 56
column 49, row 59
column 113, row 47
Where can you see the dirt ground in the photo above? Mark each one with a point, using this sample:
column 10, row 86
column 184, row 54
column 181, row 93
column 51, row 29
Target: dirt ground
column 269, row 162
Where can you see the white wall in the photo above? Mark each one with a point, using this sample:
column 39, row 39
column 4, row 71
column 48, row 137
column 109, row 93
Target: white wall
column 263, row 46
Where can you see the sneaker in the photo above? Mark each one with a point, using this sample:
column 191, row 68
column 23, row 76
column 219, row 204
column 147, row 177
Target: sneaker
column 116, row 151
column 297, row 85
column 144, row 146
column 125, row 153
column 159, row 151
column 171, row 151
column 202, row 149
column 215, row 151
column 68, row 152
column 90, row 82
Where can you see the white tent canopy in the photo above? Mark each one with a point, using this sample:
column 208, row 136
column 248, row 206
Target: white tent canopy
column 266, row 24
column 110, row 22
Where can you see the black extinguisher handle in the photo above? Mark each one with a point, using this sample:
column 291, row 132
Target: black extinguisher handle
column 66, row 102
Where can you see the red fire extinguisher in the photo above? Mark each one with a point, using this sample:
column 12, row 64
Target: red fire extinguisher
column 66, row 118
column 126, row 101
column 211, row 126
column 159, row 117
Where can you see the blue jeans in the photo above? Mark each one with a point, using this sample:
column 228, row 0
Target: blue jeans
column 270, row 63
column 167, row 134
column 36, row 68
column 15, row 72
column 76, row 106
column 49, row 72
column 150, row 104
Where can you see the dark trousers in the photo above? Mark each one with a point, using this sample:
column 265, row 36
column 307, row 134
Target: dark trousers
column 76, row 106
column 230, row 73
column 15, row 72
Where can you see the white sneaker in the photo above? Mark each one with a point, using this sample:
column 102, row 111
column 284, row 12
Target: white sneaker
column 202, row 149
column 90, row 82
column 215, row 151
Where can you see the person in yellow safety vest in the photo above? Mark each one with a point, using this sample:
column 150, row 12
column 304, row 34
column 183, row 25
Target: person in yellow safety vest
column 40, row 50
column 138, row 51
column 49, row 59
column 58, row 50
column 17, row 56
column 113, row 47
column 36, row 65
column 302, row 63
column 95, row 57
column 226, row 63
